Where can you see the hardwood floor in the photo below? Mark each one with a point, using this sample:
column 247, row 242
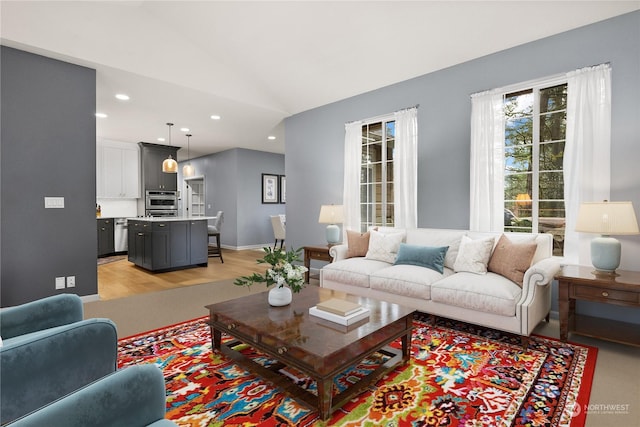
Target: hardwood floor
column 122, row 278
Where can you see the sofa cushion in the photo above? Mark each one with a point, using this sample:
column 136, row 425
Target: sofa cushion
column 358, row 243
column 511, row 260
column 422, row 256
column 352, row 271
column 489, row 293
column 437, row 237
column 407, row 280
column 384, row 246
column 474, row 255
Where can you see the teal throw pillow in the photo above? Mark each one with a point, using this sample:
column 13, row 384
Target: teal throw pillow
column 423, row 256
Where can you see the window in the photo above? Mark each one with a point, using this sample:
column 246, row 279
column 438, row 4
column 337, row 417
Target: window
column 380, row 171
column 376, row 175
column 534, row 142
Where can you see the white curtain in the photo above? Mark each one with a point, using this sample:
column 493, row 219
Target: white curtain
column 405, row 169
column 487, row 162
column 352, row 162
column 587, row 163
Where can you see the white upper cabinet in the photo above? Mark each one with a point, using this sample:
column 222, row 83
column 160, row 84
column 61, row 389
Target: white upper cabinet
column 118, row 170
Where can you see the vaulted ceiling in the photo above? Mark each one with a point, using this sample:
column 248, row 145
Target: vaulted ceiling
column 254, row 63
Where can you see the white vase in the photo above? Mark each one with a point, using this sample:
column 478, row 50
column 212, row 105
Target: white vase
column 279, row 297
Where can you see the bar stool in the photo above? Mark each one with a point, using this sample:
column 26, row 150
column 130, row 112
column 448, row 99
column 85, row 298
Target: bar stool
column 279, row 231
column 214, row 231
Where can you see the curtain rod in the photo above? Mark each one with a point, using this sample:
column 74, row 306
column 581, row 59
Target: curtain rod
column 537, row 82
column 380, row 117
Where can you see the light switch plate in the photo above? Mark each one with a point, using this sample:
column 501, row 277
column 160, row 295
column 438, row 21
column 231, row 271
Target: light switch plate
column 54, row 202
column 60, row 282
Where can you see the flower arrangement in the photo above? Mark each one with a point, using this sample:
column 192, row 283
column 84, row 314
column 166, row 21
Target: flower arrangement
column 281, row 273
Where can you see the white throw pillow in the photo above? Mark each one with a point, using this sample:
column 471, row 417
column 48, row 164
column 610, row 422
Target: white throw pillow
column 473, row 255
column 384, row 246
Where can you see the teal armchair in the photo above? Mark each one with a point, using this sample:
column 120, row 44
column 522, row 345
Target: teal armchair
column 133, row 397
column 48, row 352
column 41, row 314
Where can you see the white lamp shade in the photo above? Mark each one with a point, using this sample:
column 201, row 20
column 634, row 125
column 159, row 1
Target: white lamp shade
column 188, row 170
column 607, row 218
column 169, row 165
column 331, row 214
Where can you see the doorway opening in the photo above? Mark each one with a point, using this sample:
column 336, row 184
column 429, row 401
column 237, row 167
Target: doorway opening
column 195, row 197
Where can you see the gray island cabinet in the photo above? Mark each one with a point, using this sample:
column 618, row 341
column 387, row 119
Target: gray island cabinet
column 162, row 244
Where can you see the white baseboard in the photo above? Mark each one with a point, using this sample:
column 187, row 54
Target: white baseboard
column 244, row 248
column 90, row 298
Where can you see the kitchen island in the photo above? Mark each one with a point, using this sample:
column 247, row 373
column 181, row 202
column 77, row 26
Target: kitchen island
column 168, row 243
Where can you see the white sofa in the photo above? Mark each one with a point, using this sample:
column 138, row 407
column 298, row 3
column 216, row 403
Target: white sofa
column 488, row 299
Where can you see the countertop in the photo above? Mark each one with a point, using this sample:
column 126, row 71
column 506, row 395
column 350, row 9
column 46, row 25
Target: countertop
column 171, row 218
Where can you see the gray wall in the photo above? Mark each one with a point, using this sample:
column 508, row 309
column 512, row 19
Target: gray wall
column 233, row 184
column 48, row 148
column 315, row 138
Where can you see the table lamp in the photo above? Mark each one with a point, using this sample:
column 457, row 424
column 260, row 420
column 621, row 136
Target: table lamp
column 332, row 215
column 606, row 218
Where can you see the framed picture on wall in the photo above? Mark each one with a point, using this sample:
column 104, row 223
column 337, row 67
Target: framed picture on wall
column 269, row 188
column 283, row 189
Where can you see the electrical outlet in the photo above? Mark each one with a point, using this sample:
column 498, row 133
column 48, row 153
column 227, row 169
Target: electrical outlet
column 71, row 281
column 59, row 282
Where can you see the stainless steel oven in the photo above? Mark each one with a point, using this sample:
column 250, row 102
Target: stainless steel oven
column 162, row 212
column 161, row 203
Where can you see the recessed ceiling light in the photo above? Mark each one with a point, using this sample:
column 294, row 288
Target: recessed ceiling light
column 101, row 115
column 184, row 129
column 271, row 137
column 161, row 139
column 122, row 97
column 215, row 117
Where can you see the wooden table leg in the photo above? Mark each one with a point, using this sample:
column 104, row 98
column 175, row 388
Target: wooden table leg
column 563, row 308
column 406, row 341
column 217, row 338
column 307, row 263
column 325, row 395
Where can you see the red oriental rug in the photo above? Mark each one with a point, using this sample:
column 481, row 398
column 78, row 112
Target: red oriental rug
column 459, row 375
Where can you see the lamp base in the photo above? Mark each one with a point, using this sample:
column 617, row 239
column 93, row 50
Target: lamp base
column 333, row 234
column 604, row 274
column 605, row 254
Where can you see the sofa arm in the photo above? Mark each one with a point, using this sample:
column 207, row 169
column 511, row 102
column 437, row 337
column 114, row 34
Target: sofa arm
column 133, row 396
column 40, row 367
column 338, row 252
column 542, row 272
column 41, row 314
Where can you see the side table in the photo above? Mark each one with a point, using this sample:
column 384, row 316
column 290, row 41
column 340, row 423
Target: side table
column 317, row 252
column 582, row 283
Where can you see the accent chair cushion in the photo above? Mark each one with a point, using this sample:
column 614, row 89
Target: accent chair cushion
column 384, row 246
column 422, row 256
column 358, row 244
column 40, row 367
column 473, row 255
column 511, row 260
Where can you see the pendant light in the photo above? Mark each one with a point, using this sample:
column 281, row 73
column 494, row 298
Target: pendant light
column 169, row 165
column 187, row 169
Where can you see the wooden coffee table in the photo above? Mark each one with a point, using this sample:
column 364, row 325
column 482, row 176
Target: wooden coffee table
column 316, row 347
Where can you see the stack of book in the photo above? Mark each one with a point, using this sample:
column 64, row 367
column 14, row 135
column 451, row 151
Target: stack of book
column 340, row 311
